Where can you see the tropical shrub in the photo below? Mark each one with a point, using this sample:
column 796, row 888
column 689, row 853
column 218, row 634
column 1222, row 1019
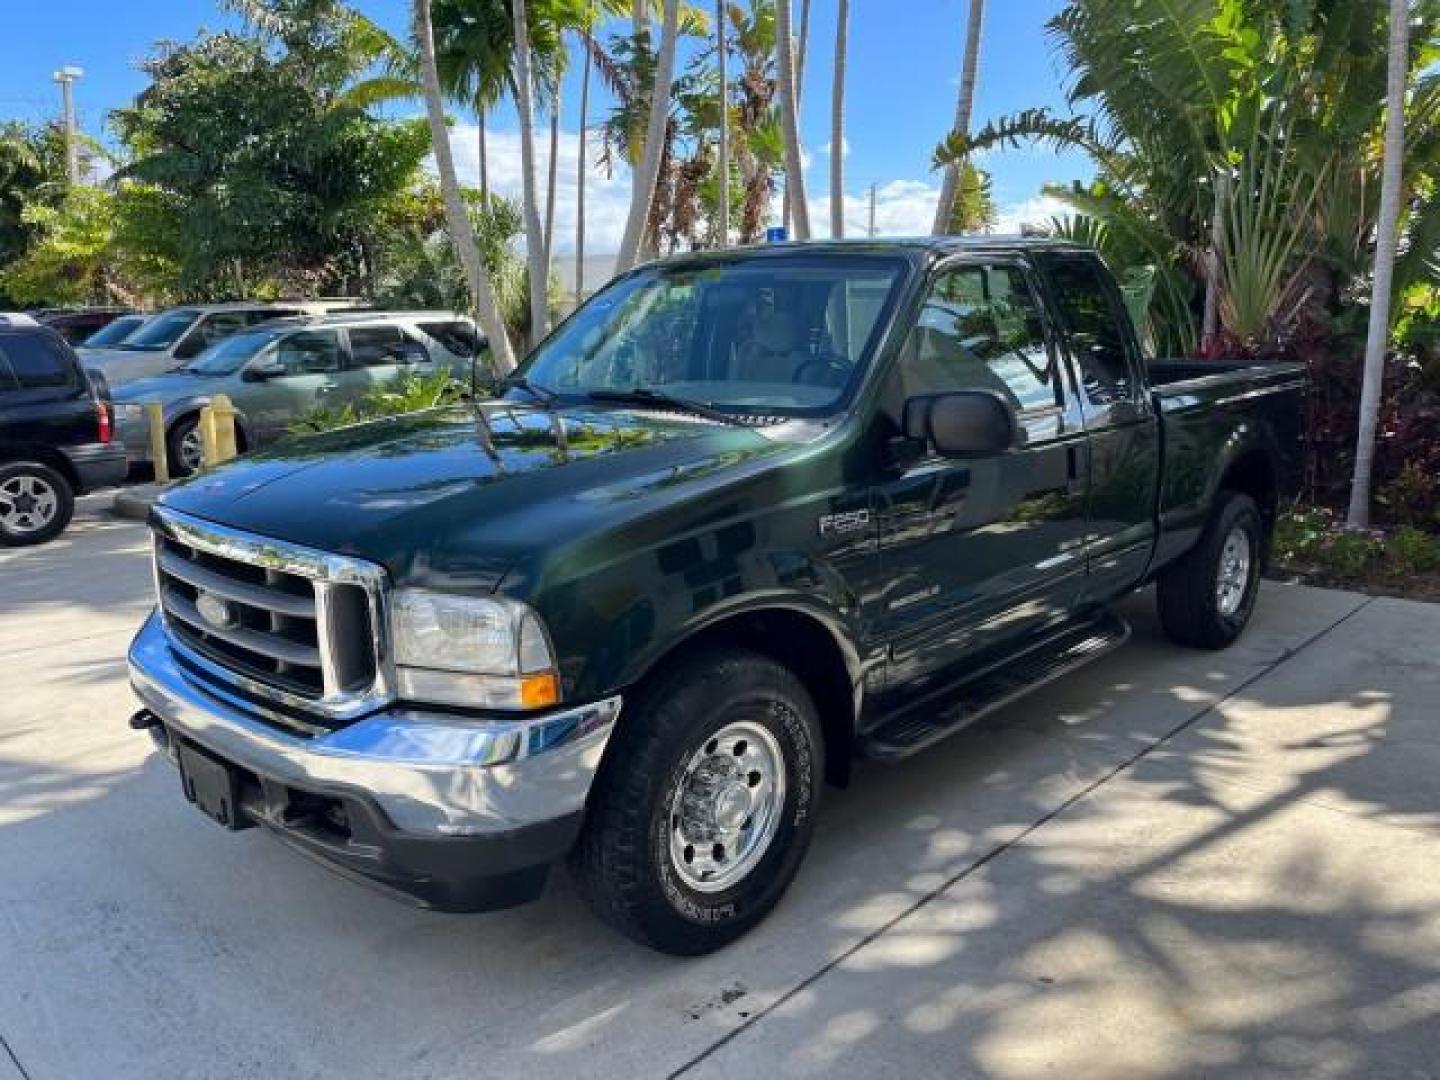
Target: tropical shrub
column 404, row 394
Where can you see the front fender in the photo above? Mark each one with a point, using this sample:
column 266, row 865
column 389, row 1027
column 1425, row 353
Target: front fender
column 191, row 405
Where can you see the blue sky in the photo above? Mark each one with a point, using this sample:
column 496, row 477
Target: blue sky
column 903, row 65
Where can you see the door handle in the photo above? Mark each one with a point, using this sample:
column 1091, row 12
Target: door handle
column 325, row 388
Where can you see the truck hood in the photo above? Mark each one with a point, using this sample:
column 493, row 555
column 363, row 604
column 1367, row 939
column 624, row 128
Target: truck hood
column 445, row 499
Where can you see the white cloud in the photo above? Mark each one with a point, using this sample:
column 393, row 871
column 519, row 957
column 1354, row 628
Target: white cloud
column 607, row 198
column 1037, row 210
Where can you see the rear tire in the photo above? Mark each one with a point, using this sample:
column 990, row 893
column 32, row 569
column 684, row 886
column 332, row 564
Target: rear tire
column 36, row 503
column 1207, row 597
column 704, row 806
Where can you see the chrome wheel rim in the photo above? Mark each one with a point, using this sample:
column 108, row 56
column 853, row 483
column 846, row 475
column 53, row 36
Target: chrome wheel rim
column 192, row 450
column 726, row 808
column 1233, row 579
column 28, row 503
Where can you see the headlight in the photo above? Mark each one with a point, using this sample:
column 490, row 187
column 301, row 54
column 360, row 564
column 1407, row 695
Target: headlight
column 471, row 651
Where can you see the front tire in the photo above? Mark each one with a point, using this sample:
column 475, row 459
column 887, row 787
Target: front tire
column 1206, row 599
column 705, row 804
column 36, row 503
column 184, row 447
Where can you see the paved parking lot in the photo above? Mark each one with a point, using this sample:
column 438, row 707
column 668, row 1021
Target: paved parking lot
column 1173, row 864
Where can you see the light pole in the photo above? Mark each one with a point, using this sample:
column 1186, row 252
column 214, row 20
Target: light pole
column 66, row 77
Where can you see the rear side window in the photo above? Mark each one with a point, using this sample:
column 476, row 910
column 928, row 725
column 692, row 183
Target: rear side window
column 1094, row 323
column 381, row 346
column 458, row 337
column 35, row 362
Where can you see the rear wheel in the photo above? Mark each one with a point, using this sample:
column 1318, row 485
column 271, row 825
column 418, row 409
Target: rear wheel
column 1207, row 597
column 705, row 804
column 36, row 503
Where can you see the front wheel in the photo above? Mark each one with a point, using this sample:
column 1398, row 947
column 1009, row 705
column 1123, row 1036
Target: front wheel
column 1207, row 598
column 185, row 448
column 705, row 804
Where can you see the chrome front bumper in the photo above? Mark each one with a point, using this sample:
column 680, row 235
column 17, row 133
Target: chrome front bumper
column 432, row 774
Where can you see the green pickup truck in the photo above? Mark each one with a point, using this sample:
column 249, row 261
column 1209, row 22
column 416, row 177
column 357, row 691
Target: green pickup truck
column 745, row 517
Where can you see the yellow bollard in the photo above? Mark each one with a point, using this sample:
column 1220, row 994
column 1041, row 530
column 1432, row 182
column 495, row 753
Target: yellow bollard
column 208, row 448
column 155, row 417
column 223, row 410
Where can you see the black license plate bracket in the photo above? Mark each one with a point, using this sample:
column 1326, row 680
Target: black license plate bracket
column 214, row 786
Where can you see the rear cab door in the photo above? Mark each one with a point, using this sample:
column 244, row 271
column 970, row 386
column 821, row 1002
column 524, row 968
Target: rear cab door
column 1121, row 425
column 977, row 552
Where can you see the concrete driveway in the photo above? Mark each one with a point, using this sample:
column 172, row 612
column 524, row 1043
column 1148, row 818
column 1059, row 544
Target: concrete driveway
column 1172, row 864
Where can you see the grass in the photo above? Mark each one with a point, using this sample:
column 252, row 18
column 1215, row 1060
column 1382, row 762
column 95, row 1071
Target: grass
column 1314, row 545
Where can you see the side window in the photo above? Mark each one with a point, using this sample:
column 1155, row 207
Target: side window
column 382, row 346
column 8, row 382
column 313, row 352
column 980, row 329
column 264, row 315
column 36, row 362
column 458, row 337
column 1094, row 324
column 212, row 328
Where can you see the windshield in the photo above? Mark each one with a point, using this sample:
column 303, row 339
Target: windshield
column 770, row 335
column 229, row 355
column 162, row 330
column 115, row 331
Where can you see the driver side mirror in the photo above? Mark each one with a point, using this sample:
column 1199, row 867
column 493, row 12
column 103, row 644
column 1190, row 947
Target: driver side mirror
column 270, row 367
column 962, row 423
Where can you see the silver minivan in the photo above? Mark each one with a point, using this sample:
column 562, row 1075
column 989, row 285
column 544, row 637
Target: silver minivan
column 172, row 337
column 277, row 372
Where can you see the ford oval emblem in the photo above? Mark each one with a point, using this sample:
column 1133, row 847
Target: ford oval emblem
column 214, row 611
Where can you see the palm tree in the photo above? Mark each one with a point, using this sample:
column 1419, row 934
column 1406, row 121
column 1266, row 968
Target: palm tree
column 789, row 121
column 722, row 216
column 837, row 124
column 587, row 44
column 643, row 185
column 948, row 188
column 1379, row 328
column 535, row 252
column 466, row 250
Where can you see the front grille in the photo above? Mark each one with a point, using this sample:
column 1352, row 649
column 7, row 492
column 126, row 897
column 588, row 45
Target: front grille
column 298, row 627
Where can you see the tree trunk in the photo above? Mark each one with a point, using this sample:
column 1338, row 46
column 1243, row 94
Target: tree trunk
column 1210, row 320
column 582, row 171
column 837, row 124
column 642, row 190
column 484, row 156
column 535, row 252
column 951, row 184
column 789, row 121
column 462, row 237
column 1379, row 330
column 787, row 214
column 550, row 181
column 722, row 215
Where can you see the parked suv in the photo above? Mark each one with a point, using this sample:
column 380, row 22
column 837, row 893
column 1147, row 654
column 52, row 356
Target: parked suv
column 179, row 334
column 55, row 433
column 280, row 370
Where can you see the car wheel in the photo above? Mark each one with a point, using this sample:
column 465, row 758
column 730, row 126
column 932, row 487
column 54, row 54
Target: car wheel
column 1207, row 598
column 36, row 503
column 704, row 806
column 184, row 447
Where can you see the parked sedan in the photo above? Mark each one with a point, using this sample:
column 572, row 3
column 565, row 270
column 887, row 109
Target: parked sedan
column 275, row 373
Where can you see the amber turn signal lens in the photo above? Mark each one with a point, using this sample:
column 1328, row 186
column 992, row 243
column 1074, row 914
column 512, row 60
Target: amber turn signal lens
column 537, row 691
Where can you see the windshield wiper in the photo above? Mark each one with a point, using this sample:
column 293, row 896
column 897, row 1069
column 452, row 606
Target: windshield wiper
column 543, row 394
column 643, row 395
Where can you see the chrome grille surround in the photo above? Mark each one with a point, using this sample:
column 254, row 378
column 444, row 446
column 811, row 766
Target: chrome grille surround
column 295, row 593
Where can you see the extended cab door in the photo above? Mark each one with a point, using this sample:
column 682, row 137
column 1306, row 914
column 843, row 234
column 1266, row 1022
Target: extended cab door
column 1122, row 430
column 977, row 551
